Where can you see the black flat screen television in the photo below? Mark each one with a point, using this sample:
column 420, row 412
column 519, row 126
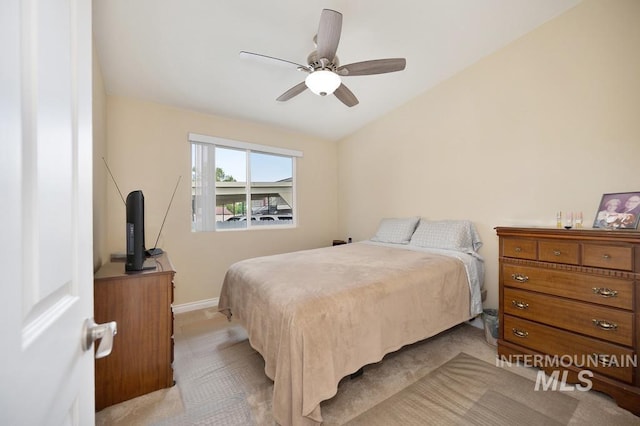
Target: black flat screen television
column 136, row 253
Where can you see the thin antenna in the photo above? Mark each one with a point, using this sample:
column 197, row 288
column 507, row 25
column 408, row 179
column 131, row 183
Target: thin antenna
column 155, row 251
column 114, row 181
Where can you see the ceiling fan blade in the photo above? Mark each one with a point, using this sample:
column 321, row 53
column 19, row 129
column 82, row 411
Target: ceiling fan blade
column 346, row 96
column 272, row 60
column 294, row 91
column 376, row 66
column 329, row 34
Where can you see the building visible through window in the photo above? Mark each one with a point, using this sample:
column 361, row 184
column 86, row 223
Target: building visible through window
column 237, row 185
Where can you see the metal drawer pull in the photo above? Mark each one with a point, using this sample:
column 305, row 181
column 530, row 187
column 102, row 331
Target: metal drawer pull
column 602, row 359
column 517, row 249
column 520, row 305
column 520, row 278
column 557, row 252
column 605, row 292
column 606, row 256
column 520, row 333
column 604, row 324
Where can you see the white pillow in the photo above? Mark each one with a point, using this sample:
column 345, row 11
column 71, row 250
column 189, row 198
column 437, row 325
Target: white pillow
column 396, row 230
column 459, row 235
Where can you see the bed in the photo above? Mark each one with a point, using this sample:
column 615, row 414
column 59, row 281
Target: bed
column 319, row 315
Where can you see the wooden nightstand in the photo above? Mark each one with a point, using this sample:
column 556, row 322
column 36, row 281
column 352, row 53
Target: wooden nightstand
column 143, row 348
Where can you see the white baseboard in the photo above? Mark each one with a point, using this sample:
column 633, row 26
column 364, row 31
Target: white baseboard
column 194, row 306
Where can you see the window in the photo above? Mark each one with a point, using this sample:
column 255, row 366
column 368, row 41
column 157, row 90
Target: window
column 238, row 185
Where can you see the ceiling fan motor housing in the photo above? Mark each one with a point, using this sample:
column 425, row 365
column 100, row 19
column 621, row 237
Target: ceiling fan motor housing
column 322, row 63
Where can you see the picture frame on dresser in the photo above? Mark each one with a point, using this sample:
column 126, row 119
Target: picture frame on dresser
column 620, row 210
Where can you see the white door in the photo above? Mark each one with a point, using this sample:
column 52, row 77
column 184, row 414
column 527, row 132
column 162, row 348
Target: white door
column 45, row 212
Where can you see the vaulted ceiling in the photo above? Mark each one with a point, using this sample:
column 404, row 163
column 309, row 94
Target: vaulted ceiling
column 185, row 53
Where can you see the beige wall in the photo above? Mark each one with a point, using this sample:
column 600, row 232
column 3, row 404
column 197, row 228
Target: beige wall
column 99, row 172
column 148, row 149
column 551, row 122
column 548, row 123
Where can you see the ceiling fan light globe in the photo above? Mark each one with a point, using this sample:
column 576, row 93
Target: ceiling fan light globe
column 323, row 82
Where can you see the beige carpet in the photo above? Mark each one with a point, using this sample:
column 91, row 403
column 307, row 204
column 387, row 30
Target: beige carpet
column 220, row 381
column 467, row 390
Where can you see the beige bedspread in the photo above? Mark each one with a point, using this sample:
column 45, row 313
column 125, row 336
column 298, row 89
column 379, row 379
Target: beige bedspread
column 318, row 315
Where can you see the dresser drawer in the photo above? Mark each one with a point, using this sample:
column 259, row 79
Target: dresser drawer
column 615, row 292
column 559, row 252
column 571, row 348
column 609, row 257
column 610, row 324
column 520, row 248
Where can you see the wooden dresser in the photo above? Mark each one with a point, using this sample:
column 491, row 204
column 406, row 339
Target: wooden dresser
column 575, row 294
column 143, row 348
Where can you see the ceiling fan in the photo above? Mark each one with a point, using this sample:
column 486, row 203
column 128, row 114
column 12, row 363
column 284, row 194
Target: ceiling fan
column 323, row 68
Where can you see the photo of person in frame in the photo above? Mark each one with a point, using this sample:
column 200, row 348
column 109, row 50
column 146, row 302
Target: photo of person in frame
column 618, row 211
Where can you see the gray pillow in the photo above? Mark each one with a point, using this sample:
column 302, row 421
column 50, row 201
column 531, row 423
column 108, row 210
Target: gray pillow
column 459, row 235
column 396, row 230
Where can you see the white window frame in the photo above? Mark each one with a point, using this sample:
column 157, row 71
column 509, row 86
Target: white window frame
column 248, row 148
